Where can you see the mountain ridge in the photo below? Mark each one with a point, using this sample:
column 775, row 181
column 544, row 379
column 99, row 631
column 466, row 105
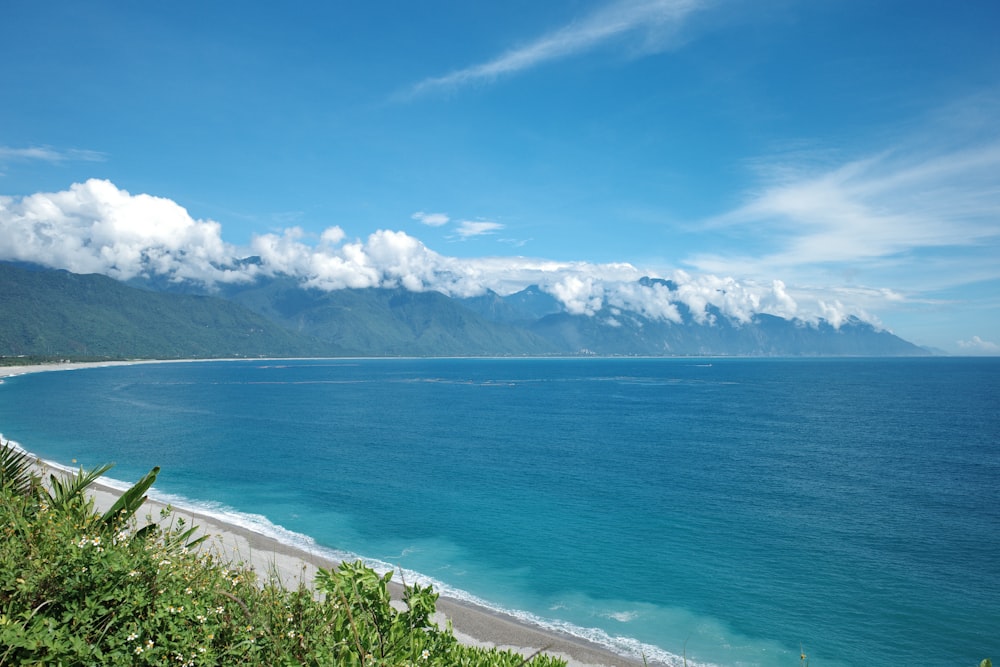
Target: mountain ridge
column 52, row 312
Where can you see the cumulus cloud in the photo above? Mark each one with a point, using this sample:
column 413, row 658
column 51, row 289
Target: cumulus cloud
column 95, row 227
column 331, row 236
column 431, row 219
column 652, row 24
column 579, row 295
column 653, row 301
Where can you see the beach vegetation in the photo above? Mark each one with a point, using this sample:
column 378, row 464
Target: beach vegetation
column 16, row 468
column 81, row 587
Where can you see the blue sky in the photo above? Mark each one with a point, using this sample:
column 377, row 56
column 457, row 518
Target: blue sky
column 810, row 159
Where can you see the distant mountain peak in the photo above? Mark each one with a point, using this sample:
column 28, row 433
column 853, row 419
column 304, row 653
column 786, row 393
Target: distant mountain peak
column 646, row 281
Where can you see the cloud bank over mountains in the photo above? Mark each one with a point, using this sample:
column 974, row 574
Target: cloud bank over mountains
column 95, row 227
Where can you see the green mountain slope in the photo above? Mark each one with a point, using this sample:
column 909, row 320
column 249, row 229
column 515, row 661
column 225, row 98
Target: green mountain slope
column 51, row 313
column 608, row 333
column 387, row 321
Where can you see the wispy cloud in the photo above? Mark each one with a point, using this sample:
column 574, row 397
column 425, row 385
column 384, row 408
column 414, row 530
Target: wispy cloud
column 470, row 228
column 901, row 210
column 431, row 219
column 49, row 154
column 655, row 21
column 979, row 346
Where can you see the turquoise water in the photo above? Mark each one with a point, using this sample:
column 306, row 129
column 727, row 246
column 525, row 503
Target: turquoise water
column 735, row 509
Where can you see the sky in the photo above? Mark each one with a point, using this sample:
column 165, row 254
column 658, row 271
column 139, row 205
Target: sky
column 809, row 159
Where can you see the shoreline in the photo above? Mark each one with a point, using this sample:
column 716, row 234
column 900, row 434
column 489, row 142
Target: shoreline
column 473, row 624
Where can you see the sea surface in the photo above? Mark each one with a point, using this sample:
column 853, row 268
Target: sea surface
column 736, row 511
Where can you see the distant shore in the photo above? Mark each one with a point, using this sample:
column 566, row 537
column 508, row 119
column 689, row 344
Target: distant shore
column 10, row 371
column 474, row 625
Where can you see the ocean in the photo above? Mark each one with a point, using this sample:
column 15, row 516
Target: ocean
column 733, row 511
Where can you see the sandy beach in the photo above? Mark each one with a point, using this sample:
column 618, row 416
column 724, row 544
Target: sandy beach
column 472, row 624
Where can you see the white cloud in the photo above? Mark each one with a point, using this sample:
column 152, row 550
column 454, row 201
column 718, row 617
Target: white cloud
column 470, row 228
column 979, row 346
column 579, row 295
column 654, row 301
column 779, row 301
column 332, row 236
column 48, row 154
column 886, row 215
column 431, row 219
column 656, row 21
column 94, row 227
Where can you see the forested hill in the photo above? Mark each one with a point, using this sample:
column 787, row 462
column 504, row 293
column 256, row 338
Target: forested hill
column 53, row 312
column 56, row 313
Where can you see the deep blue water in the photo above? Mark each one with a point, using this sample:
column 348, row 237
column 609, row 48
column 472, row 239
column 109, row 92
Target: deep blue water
column 738, row 509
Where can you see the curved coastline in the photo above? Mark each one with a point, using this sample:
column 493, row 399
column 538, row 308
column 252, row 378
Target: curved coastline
column 295, row 561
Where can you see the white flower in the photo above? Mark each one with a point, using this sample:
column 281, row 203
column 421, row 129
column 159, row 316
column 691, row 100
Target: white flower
column 425, row 654
column 132, row 637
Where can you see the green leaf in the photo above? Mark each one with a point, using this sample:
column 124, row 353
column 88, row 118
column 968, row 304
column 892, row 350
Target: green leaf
column 15, row 470
column 130, row 501
column 179, row 540
column 67, row 490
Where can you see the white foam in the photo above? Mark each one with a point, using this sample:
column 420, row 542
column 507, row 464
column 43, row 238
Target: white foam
column 622, row 616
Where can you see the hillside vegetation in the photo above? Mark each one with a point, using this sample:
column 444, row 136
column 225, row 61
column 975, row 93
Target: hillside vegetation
column 387, row 321
column 49, row 313
column 81, row 588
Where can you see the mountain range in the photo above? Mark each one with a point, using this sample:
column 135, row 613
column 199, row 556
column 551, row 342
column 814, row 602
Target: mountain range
column 49, row 312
